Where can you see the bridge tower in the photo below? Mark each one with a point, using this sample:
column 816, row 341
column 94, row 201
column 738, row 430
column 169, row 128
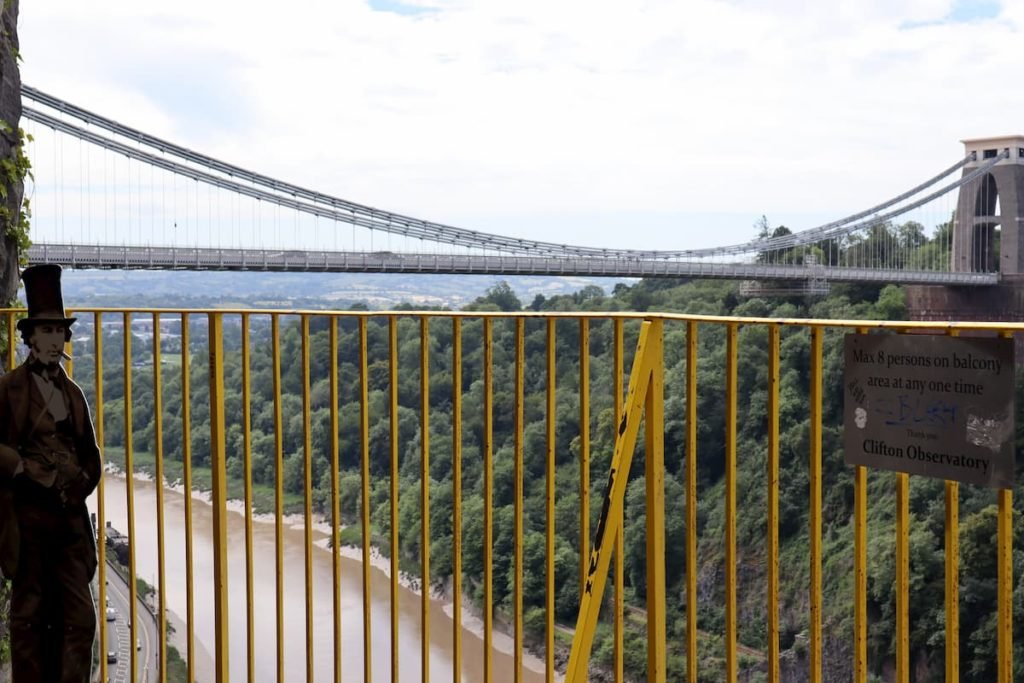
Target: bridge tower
column 988, row 236
column 990, row 213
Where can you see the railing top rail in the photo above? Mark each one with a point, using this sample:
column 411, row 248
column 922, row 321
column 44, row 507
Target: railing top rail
column 569, row 315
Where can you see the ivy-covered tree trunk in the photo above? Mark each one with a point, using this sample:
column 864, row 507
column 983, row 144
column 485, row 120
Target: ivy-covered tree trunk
column 13, row 188
column 12, row 160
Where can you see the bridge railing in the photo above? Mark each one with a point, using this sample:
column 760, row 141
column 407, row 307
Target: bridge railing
column 455, row 454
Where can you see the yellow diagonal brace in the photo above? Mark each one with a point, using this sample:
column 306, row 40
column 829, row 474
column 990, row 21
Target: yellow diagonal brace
column 611, row 512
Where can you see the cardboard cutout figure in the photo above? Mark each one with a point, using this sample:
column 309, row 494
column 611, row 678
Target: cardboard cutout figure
column 49, row 464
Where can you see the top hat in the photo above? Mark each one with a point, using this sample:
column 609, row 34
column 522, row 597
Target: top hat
column 42, row 292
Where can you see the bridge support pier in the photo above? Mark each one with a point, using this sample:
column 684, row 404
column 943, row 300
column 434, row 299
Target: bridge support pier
column 999, row 303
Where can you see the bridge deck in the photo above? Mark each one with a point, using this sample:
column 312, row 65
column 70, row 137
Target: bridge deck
column 176, row 258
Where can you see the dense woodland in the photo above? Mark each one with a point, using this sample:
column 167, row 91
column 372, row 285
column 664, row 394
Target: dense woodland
column 977, row 512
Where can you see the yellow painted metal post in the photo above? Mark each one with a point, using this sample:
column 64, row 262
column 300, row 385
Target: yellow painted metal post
column 773, row 504
column 393, row 417
column 584, row 449
column 250, row 644
column 1004, row 559
column 219, row 499
column 860, row 571
column 600, row 556
column 654, row 460
column 549, row 495
column 456, row 499
column 69, row 364
column 275, row 351
column 814, row 521
column 952, row 571
column 335, row 506
column 101, row 523
column 364, row 465
column 129, row 485
column 731, row 625
column 424, row 497
column 307, row 497
column 186, row 474
column 1004, row 586
column 902, row 577
column 517, row 499
column 158, row 448
column 691, row 502
column 620, row 600
column 488, row 499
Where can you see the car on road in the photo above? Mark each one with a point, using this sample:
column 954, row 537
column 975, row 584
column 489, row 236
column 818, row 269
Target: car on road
column 111, row 614
column 112, row 657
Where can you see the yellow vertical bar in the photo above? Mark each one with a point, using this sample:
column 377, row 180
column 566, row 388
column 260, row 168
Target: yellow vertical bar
column 731, row 626
column 773, row 504
column 815, row 505
column 158, row 447
column 517, row 500
column 691, row 502
column 364, row 466
column 425, row 496
column 69, row 364
column 275, row 350
column 11, row 358
column 101, row 523
column 219, row 497
column 1004, row 560
column 620, row 601
column 952, row 496
column 186, row 475
column 584, row 449
column 860, row 570
column 902, row 577
column 952, row 571
column 488, row 498
column 250, row 647
column 335, row 506
column 307, row 468
column 129, row 485
column 549, row 495
column 393, row 416
column 654, row 460
column 456, row 499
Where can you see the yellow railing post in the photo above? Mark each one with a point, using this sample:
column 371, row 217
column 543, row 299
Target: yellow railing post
column 731, row 625
column 218, row 479
column 773, row 504
column 691, row 502
column 815, row 502
column 654, row 478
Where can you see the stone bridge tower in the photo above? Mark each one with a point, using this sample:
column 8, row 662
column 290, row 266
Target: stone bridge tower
column 988, row 236
column 990, row 212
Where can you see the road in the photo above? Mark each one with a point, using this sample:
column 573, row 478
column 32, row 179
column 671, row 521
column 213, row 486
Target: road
column 119, row 636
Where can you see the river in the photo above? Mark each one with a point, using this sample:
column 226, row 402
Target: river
column 264, row 590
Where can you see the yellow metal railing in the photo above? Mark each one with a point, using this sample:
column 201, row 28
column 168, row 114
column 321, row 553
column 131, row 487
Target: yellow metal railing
column 643, row 405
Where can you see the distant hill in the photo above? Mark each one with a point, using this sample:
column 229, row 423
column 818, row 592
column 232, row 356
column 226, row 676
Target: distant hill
column 313, row 290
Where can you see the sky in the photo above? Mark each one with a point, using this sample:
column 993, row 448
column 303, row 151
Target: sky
column 647, row 124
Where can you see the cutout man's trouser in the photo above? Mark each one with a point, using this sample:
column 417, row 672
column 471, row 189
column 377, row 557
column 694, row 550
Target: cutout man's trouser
column 53, row 619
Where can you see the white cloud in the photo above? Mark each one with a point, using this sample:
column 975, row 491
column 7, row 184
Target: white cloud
column 487, row 110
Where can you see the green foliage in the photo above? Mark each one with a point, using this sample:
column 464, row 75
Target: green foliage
column 13, row 172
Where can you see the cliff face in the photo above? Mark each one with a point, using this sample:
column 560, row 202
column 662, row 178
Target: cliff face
column 10, row 114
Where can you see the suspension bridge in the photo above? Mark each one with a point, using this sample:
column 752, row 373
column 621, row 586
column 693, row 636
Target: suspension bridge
column 122, row 198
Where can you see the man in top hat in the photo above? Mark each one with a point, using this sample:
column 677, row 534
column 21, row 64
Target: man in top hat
column 49, row 464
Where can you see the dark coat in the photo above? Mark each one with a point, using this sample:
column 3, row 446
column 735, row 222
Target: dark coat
column 18, row 411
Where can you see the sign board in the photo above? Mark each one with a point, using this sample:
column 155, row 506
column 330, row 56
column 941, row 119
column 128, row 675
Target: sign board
column 933, row 405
